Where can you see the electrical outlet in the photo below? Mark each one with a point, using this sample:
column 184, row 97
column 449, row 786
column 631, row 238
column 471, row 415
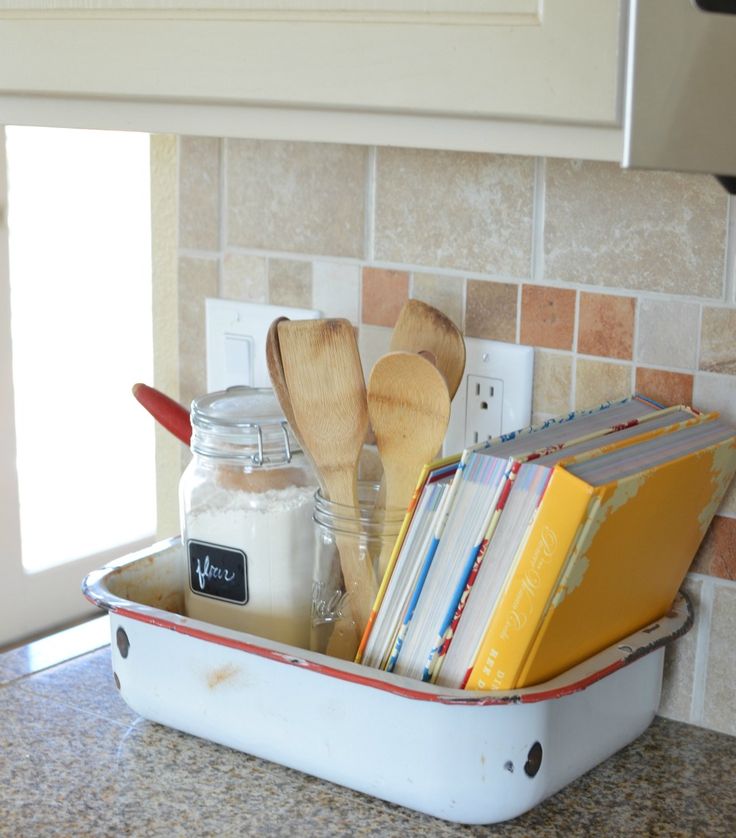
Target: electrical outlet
column 483, row 403
column 236, row 341
column 495, row 395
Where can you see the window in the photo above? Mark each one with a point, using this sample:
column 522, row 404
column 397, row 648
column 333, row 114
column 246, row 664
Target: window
column 79, row 278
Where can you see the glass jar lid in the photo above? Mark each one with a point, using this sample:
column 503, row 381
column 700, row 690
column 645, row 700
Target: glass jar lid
column 244, row 424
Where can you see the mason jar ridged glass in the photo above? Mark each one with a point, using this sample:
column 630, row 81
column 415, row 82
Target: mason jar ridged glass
column 346, row 538
column 246, row 505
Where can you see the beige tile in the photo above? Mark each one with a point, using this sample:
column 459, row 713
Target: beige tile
column 679, row 664
column 654, row 231
column 244, row 277
column 718, row 392
column 290, row 283
column 199, row 193
column 668, row 333
column 370, row 468
column 197, row 280
column 443, row 292
column 719, row 711
column 336, row 290
column 552, row 383
column 490, row 310
column 455, row 210
column 373, row 342
column 598, row 381
column 718, row 340
column 296, row 197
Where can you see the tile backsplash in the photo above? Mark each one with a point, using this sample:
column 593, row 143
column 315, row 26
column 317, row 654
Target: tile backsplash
column 621, row 281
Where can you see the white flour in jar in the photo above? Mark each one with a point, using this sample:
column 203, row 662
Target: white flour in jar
column 275, row 531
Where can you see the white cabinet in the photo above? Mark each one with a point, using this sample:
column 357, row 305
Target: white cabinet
column 521, row 76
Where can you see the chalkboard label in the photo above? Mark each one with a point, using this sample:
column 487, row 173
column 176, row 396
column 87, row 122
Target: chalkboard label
column 218, row 572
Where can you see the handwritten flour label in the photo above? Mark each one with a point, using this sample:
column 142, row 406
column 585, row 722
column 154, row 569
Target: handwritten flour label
column 218, row 572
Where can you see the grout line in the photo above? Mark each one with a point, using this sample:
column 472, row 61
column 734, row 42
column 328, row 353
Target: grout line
column 223, row 213
column 573, row 380
column 635, row 343
column 464, row 273
column 603, row 359
column 463, row 304
column 369, row 244
column 698, row 337
column 361, row 267
column 729, row 285
column 194, row 253
column 538, row 218
column 720, row 581
column 700, row 668
column 574, row 350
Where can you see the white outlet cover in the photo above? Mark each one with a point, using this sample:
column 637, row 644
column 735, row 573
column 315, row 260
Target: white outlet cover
column 236, row 340
column 511, row 363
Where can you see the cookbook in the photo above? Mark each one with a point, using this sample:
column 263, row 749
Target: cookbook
column 436, row 555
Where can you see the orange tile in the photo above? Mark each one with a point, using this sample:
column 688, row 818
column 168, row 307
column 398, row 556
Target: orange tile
column 606, row 325
column 547, row 316
column 383, row 295
column 668, row 388
column 490, row 310
column 717, row 553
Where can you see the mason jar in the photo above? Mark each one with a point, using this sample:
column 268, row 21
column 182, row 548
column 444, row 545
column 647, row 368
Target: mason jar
column 353, row 548
column 246, row 504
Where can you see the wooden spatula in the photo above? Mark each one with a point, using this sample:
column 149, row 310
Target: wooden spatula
column 343, row 638
column 278, row 380
column 324, row 380
column 409, row 408
column 422, row 327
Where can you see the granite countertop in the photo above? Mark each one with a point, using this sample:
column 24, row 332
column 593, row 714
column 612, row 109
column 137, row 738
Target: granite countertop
column 75, row 760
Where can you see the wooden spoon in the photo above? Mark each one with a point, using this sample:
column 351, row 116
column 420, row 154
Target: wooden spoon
column 422, row 327
column 409, row 408
column 278, row 381
column 325, row 384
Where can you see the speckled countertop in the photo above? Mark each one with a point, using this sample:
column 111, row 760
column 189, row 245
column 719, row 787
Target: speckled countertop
column 74, row 760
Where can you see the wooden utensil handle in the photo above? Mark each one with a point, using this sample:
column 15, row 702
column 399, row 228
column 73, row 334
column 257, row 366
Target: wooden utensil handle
column 359, row 577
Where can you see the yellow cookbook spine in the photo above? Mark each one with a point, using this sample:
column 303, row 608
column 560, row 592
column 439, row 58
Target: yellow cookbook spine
column 536, row 570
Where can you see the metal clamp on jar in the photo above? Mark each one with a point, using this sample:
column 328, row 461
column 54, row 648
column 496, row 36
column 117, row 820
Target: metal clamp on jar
column 246, row 503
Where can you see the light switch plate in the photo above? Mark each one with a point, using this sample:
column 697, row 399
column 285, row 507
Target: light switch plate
column 236, row 340
column 506, row 367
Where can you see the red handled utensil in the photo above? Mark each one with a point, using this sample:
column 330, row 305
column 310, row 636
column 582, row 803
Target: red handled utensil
column 167, row 412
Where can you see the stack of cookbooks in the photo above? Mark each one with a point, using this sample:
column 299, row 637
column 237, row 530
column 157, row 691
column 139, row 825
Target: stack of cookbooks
column 528, row 553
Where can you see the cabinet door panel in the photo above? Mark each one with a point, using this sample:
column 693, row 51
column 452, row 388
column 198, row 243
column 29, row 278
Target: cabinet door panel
column 556, row 62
